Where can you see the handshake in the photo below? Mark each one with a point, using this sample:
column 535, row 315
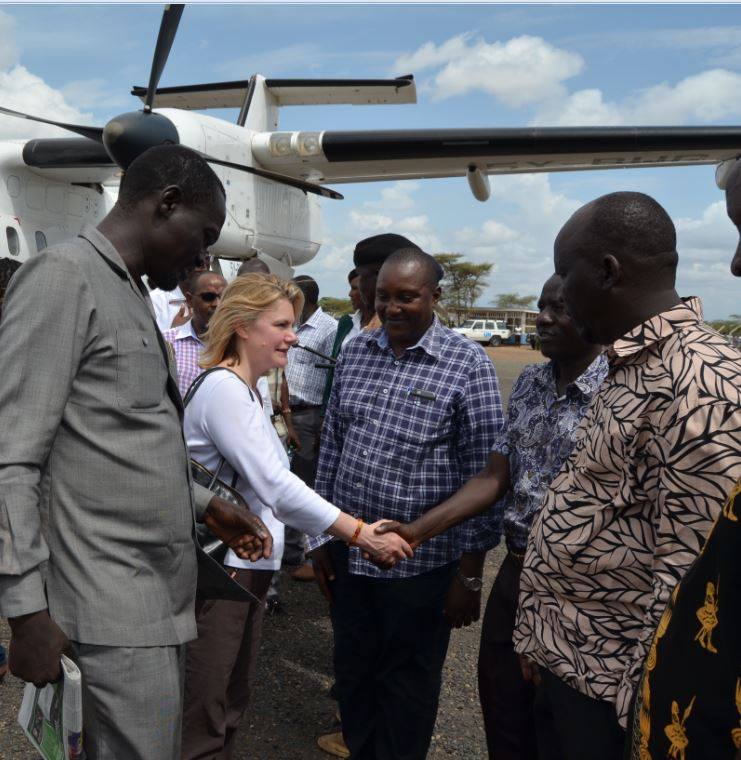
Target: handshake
column 384, row 543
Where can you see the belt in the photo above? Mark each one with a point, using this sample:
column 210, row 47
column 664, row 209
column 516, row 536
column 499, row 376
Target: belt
column 304, row 407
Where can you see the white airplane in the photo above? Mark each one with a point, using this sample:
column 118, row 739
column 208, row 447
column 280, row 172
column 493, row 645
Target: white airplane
column 274, row 179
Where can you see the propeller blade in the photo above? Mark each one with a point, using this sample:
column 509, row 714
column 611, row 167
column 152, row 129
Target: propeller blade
column 168, row 29
column 307, row 187
column 92, row 133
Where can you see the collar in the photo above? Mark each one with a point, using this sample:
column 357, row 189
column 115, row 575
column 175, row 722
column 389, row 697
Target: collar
column 106, row 249
column 187, row 330
column 430, row 342
column 587, row 383
column 313, row 320
column 686, row 313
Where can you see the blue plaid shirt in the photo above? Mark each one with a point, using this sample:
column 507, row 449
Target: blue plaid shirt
column 404, row 433
column 537, row 437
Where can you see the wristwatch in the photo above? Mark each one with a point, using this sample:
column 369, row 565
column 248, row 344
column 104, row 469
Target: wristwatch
column 471, row 584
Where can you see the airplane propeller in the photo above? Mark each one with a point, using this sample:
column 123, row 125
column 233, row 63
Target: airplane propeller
column 127, row 136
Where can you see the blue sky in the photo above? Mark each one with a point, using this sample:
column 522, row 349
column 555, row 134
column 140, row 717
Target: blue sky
column 475, row 66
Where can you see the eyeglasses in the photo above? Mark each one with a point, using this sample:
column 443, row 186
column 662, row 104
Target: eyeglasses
column 209, row 297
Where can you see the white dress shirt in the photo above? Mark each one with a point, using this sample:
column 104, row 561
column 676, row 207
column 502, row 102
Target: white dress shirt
column 354, row 330
column 166, row 305
column 225, row 418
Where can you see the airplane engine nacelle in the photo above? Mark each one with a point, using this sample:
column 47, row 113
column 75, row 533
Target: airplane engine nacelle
column 273, row 219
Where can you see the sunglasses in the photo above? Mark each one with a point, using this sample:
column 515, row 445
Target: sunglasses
column 208, row 297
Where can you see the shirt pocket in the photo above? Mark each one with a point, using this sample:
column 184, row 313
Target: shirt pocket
column 141, row 371
column 424, row 422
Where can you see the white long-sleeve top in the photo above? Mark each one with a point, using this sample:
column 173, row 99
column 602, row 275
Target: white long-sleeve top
column 225, row 419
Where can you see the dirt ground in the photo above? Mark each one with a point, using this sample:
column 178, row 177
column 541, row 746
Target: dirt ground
column 290, row 705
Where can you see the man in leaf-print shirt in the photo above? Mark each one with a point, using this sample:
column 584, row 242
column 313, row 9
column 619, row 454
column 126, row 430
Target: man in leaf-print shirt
column 630, row 510
column 689, row 696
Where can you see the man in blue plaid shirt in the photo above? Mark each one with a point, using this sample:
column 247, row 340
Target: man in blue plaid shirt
column 414, row 411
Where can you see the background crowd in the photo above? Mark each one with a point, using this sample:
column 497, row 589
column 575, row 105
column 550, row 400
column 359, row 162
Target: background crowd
column 375, row 455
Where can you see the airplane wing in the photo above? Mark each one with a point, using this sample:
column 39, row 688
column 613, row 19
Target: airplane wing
column 357, row 156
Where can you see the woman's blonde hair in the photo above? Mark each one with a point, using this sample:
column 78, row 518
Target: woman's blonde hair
column 243, row 301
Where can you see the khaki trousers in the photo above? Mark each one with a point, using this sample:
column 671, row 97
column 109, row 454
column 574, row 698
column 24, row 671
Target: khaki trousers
column 220, row 669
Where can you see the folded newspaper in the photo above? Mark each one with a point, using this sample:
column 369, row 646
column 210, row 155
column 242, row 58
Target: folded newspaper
column 52, row 717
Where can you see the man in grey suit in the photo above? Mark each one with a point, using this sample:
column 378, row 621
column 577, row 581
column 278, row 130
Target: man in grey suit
column 97, row 505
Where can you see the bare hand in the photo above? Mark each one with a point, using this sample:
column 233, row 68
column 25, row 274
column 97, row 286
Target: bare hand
column 462, row 607
column 243, row 532
column 182, row 316
column 529, row 668
column 323, row 569
column 383, row 549
column 292, row 438
column 36, row 645
column 405, row 530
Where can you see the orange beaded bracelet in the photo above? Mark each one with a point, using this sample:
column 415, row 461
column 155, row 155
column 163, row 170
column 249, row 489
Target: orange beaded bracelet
column 355, row 535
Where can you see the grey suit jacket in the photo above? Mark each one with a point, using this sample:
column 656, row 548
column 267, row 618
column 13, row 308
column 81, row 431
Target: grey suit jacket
column 96, row 500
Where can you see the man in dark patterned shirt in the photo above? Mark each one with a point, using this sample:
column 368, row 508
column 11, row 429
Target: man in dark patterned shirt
column 413, row 414
column 546, row 406
column 688, row 702
column 653, row 463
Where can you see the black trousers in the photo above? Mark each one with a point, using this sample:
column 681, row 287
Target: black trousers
column 390, row 642
column 573, row 726
column 506, row 698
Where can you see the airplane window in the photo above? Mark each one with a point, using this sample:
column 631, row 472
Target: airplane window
column 40, row 241
column 14, row 244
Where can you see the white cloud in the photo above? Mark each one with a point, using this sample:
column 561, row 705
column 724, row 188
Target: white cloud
column 370, row 222
column 431, row 55
column 21, row 90
column 419, row 230
column 709, row 96
column 398, row 197
column 521, row 71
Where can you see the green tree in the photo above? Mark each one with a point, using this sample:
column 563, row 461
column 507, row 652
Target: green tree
column 337, row 307
column 462, row 283
column 514, row 301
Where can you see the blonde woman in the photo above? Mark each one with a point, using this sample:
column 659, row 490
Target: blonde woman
column 249, row 334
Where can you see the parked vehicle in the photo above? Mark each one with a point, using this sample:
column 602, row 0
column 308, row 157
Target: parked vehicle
column 493, row 332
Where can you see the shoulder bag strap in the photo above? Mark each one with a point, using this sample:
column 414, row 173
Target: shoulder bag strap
column 194, row 386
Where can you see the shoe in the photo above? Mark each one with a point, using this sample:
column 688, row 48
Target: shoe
column 273, row 606
column 333, row 744
column 303, row 573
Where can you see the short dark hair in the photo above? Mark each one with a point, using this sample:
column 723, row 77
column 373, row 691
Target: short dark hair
column 352, row 275
column 192, row 281
column 253, row 264
column 165, row 165
column 636, row 226
column 309, row 288
column 431, row 268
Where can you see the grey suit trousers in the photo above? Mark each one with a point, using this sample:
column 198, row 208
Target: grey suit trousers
column 132, row 701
